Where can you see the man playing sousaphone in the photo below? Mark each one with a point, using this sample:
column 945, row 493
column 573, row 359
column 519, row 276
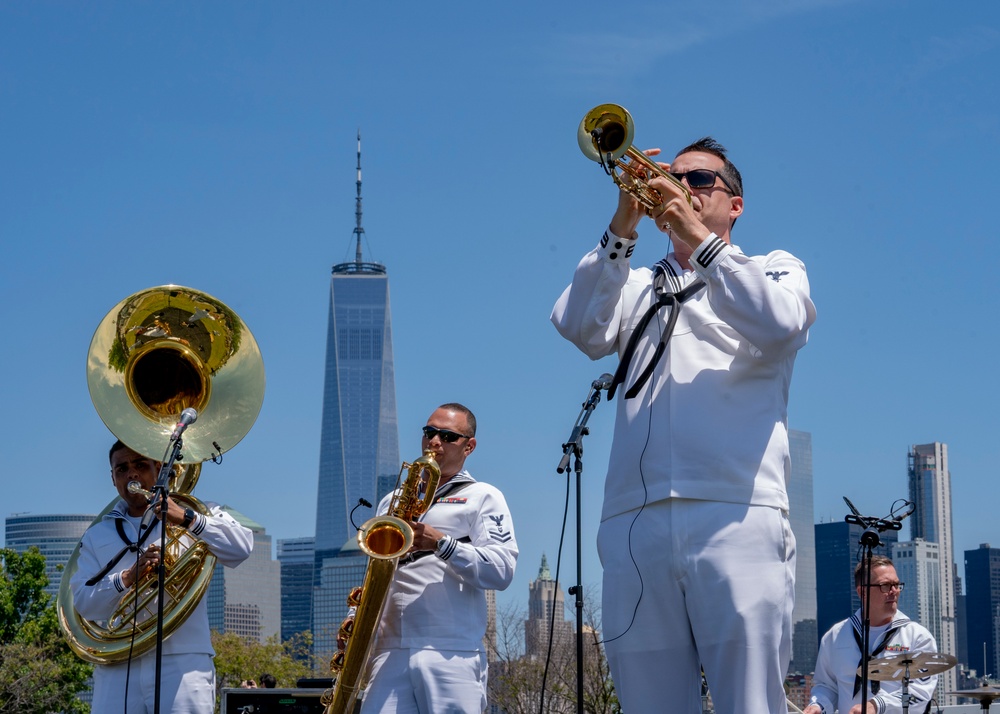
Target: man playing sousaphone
column 187, row 669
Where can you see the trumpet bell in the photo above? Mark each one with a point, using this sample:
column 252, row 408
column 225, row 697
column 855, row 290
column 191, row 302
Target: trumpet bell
column 606, row 129
column 166, row 349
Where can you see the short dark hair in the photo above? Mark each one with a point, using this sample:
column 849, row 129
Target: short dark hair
column 470, row 418
column 709, row 145
column 117, row 446
column 267, row 681
column 878, row 561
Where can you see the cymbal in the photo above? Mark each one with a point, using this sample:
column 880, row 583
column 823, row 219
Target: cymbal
column 915, row 665
column 982, row 693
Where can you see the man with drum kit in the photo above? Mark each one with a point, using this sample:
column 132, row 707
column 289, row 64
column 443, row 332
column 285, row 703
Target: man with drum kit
column 187, row 683
column 836, row 684
column 698, row 553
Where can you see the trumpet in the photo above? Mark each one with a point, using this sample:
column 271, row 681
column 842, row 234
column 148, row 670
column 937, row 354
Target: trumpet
column 605, row 136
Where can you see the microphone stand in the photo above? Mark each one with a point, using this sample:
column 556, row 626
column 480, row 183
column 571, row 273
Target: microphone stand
column 159, row 504
column 574, row 448
column 869, row 541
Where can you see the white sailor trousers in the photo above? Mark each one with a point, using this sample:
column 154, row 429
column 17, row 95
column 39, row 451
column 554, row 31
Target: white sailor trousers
column 698, row 584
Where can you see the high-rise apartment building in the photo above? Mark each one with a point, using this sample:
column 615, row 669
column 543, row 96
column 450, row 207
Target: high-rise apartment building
column 930, row 492
column 56, row 536
column 838, row 551
column 918, row 565
column 800, row 501
column 982, row 609
column 246, row 600
column 359, row 448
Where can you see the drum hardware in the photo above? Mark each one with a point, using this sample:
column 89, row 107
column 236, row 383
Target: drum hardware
column 985, row 694
column 908, row 666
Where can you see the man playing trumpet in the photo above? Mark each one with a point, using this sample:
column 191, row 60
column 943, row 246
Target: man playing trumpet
column 698, row 554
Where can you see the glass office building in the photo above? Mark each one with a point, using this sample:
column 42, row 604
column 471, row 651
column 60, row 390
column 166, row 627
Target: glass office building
column 359, row 440
column 56, row 535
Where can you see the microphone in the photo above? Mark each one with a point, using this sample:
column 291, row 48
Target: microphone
column 603, row 382
column 911, row 507
column 364, row 503
column 188, row 417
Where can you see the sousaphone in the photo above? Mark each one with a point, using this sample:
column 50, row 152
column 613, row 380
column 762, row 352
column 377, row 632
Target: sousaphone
column 156, row 353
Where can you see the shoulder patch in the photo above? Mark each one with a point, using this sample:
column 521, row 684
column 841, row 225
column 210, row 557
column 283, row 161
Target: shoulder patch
column 496, row 528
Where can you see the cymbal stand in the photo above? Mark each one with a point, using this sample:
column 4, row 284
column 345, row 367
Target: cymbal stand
column 904, row 695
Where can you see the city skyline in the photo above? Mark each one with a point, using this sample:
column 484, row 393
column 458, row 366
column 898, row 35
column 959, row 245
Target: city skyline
column 215, row 146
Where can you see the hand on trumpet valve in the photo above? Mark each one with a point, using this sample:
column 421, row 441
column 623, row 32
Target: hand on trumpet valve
column 630, row 210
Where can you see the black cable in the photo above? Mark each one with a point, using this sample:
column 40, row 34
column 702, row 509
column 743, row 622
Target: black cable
column 552, row 617
column 645, row 500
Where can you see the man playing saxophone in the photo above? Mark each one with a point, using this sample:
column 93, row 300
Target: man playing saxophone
column 428, row 654
column 187, row 669
column 698, row 554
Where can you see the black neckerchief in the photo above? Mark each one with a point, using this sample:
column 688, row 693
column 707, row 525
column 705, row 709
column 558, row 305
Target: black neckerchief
column 665, row 297
column 129, row 547
column 894, row 627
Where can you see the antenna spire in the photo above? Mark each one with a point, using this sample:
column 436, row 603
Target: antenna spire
column 358, row 230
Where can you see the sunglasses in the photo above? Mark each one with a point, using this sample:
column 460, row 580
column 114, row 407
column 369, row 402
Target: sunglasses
column 447, row 435
column 702, row 178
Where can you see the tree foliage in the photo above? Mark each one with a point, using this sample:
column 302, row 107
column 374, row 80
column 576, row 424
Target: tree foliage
column 38, row 671
column 238, row 659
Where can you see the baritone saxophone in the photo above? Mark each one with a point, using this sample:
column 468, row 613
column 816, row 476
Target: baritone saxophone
column 384, row 539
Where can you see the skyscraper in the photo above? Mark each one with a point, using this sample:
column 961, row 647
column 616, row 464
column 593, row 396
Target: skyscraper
column 56, row 535
column 800, row 501
column 918, row 564
column 982, row 609
column 359, row 447
column 930, row 492
column 546, row 615
column 296, row 556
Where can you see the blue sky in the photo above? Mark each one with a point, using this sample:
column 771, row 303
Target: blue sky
column 212, row 145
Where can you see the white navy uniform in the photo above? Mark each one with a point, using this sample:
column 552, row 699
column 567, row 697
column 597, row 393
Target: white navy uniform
column 696, row 484
column 187, row 681
column 835, row 678
column 428, row 655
